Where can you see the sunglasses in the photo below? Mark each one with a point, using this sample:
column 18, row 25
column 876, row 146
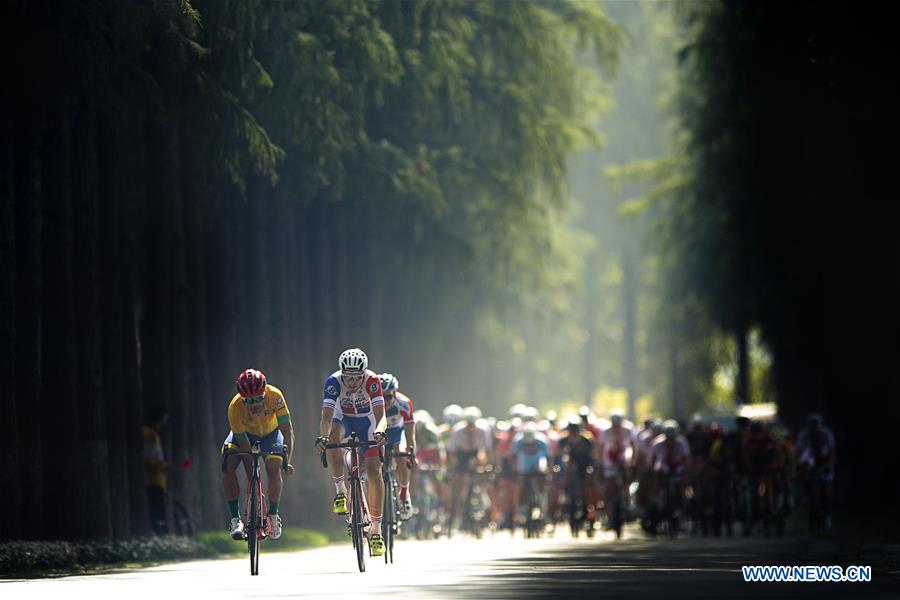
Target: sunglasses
column 254, row 400
column 352, row 378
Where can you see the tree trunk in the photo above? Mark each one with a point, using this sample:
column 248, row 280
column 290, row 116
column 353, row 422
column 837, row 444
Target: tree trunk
column 590, row 325
column 674, row 378
column 174, row 354
column 28, row 224
column 111, row 165
column 10, row 525
column 61, row 491
column 209, row 512
column 742, row 387
column 630, row 270
column 92, row 429
column 134, row 404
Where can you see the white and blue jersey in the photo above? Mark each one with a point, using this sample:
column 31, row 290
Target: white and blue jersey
column 400, row 413
column 531, row 457
column 353, row 409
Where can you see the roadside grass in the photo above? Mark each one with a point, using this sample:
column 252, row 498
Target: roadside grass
column 219, row 543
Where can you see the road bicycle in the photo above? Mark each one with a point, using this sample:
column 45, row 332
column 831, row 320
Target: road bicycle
column 255, row 529
column 618, row 500
column 358, row 515
column 390, row 516
column 532, row 499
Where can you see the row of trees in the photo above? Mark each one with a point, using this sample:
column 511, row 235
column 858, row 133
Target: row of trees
column 192, row 188
column 770, row 212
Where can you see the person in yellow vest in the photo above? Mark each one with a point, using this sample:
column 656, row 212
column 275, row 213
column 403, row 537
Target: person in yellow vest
column 156, row 468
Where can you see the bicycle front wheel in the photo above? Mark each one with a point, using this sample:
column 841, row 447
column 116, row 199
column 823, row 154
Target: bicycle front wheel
column 358, row 525
column 253, row 531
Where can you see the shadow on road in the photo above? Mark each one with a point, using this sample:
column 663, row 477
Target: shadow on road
column 683, row 568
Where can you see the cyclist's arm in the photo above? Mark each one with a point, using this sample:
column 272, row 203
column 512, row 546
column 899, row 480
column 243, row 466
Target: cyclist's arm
column 325, row 423
column 239, row 436
column 287, row 430
column 410, row 430
column 378, row 412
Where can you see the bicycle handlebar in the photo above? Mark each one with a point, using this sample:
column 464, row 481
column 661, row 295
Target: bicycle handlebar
column 408, row 454
column 353, row 443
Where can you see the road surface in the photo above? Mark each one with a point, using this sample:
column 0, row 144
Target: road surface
column 494, row 567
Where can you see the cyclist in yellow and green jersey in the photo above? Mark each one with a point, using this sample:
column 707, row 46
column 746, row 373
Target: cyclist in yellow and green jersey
column 258, row 412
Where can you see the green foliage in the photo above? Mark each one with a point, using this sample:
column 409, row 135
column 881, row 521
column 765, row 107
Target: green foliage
column 31, row 557
column 18, row 558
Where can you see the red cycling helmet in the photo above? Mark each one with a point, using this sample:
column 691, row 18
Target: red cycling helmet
column 251, row 383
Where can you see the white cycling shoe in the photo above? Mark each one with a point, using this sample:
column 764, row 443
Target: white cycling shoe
column 237, row 529
column 406, row 509
column 274, row 526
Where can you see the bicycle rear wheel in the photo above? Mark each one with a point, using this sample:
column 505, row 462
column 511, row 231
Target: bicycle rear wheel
column 358, row 525
column 616, row 512
column 387, row 522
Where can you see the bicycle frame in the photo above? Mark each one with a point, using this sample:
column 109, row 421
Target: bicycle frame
column 359, row 512
column 390, row 518
column 256, row 507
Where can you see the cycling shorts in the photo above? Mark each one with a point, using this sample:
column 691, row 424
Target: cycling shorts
column 395, row 436
column 271, row 442
column 363, row 425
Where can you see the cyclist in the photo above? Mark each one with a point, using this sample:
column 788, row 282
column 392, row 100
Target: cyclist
column 470, row 442
column 431, row 461
column 816, row 459
column 257, row 413
column 452, row 414
column 734, row 460
column 617, row 452
column 401, row 431
column 760, row 452
column 670, row 458
column 503, row 495
column 531, row 453
column 575, row 457
column 784, row 468
column 700, row 503
column 644, row 443
column 354, row 402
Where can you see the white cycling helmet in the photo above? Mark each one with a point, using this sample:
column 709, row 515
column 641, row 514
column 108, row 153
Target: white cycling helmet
column 616, row 416
column 517, row 410
column 472, row 413
column 353, row 361
column 389, row 383
column 670, row 427
column 452, row 413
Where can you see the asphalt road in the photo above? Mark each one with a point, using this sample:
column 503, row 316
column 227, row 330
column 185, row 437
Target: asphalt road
column 495, row 567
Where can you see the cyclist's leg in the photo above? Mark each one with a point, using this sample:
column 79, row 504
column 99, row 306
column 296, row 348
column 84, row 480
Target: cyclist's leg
column 365, row 429
column 402, row 468
column 514, row 487
column 335, row 455
column 229, row 472
column 273, row 442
